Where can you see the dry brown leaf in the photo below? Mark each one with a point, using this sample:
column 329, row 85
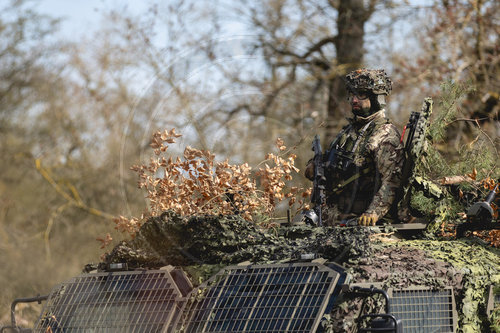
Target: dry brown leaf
column 196, row 184
column 105, row 241
column 473, row 174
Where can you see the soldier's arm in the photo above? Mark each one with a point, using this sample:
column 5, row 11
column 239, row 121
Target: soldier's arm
column 388, row 156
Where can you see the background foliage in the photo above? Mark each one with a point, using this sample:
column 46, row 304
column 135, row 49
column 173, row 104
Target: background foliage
column 76, row 113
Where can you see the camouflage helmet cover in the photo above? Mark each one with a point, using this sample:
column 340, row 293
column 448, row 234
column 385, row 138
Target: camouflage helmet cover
column 375, row 81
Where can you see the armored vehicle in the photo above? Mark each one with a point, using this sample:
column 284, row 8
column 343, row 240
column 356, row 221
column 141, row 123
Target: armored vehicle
column 293, row 297
column 225, row 274
column 300, row 279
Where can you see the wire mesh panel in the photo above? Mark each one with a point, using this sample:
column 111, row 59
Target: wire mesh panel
column 261, row 298
column 138, row 301
column 424, row 310
column 493, row 299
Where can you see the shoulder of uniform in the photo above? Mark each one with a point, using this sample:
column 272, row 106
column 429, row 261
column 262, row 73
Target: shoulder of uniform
column 386, row 132
column 389, row 127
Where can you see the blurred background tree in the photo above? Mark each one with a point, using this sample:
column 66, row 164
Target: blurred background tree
column 459, row 42
column 76, row 112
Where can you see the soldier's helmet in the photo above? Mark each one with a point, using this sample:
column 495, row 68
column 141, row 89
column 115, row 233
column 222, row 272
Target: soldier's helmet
column 374, row 81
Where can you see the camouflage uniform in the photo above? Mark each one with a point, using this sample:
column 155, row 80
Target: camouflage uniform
column 364, row 163
column 376, row 157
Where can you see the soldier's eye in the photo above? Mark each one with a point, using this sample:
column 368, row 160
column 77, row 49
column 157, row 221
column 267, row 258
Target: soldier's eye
column 359, row 96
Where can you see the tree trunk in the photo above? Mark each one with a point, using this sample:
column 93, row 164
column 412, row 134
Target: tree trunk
column 352, row 16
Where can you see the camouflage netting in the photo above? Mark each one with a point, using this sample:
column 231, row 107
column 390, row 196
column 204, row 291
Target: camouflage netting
column 469, row 266
column 394, row 267
column 204, row 244
column 210, row 240
column 480, row 266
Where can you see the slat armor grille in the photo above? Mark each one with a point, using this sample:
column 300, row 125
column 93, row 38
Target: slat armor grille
column 493, row 299
column 139, row 301
column 424, row 310
column 261, row 298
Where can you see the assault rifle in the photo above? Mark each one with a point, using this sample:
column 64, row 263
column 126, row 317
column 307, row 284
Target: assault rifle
column 318, row 194
column 415, row 143
column 414, row 147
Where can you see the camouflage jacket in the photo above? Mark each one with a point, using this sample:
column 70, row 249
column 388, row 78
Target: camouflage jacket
column 364, row 165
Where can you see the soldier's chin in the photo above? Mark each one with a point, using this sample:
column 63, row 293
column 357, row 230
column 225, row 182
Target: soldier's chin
column 360, row 112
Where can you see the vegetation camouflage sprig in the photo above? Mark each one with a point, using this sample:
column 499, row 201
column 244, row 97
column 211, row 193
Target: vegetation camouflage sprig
column 197, row 184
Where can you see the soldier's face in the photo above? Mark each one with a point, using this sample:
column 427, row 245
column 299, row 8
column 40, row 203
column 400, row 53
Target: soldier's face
column 360, row 104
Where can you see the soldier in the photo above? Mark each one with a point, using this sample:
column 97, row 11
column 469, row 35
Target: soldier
column 363, row 164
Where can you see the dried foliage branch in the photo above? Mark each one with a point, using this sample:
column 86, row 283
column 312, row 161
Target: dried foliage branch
column 198, row 184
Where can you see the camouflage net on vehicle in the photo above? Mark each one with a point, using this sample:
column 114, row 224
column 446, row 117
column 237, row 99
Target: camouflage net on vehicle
column 480, row 266
column 202, row 245
column 210, row 240
column 469, row 266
